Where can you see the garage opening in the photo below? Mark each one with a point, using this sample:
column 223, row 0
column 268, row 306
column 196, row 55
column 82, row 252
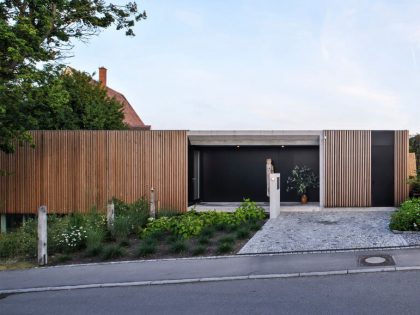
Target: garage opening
column 231, row 173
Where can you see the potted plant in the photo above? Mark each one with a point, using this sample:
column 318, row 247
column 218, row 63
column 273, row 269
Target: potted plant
column 301, row 180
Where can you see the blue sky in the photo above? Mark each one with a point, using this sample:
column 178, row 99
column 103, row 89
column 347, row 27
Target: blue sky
column 267, row 64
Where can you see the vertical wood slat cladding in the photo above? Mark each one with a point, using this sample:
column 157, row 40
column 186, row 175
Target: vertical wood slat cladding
column 71, row 171
column 401, row 146
column 412, row 167
column 347, row 170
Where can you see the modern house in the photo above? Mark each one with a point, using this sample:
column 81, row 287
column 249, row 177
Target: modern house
column 356, row 168
column 75, row 170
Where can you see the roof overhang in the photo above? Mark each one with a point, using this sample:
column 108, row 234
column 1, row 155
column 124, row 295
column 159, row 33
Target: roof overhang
column 254, row 137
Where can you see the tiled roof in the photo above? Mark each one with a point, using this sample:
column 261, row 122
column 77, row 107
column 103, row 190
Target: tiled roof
column 130, row 116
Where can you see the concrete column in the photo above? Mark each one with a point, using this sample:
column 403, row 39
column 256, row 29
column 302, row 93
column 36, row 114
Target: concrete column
column 274, row 195
column 3, row 224
column 152, row 203
column 321, row 169
column 42, row 236
column 110, row 216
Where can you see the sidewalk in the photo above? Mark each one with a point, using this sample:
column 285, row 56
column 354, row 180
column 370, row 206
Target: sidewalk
column 122, row 273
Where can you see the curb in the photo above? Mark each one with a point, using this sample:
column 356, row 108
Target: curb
column 211, row 279
column 238, row 255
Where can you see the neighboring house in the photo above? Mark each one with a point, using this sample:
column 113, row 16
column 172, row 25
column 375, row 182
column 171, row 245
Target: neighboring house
column 131, row 118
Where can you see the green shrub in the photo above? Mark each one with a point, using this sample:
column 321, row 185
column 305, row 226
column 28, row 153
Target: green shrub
column 199, row 250
column 249, row 211
column 204, row 240
column 74, row 238
column 57, row 226
column 112, row 252
column 188, row 225
column 208, row 231
column 94, row 251
column 254, row 226
column 94, row 237
column 63, row 258
column 224, row 248
column 20, row 243
column 407, row 217
column 191, row 223
column 147, row 247
column 158, row 227
column 136, row 212
column 227, row 239
column 178, row 246
column 242, row 233
column 122, row 228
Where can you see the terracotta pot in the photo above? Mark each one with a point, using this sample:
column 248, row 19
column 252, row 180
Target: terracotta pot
column 304, row 199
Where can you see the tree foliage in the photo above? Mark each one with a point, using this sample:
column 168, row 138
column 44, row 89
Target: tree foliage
column 415, row 148
column 74, row 101
column 34, row 36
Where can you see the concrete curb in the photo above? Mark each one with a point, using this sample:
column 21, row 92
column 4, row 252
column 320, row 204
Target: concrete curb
column 322, row 251
column 211, row 279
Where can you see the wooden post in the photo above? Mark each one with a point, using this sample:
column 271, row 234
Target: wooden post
column 42, row 236
column 3, row 224
column 152, row 203
column 110, row 215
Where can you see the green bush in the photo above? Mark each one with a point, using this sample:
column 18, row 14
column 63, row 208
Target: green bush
column 407, row 217
column 122, row 227
column 203, row 240
column 178, row 246
column 94, row 237
column 136, row 212
column 224, row 248
column 147, row 247
column 227, row 239
column 199, row 250
column 192, row 224
column 112, row 252
column 208, row 231
column 242, row 233
column 94, row 250
column 20, row 243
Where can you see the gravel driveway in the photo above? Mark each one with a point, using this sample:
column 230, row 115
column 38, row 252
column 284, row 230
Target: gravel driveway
column 311, row 231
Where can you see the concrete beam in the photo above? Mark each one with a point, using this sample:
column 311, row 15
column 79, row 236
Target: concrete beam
column 252, row 137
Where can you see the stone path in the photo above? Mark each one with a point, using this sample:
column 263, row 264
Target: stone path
column 303, row 231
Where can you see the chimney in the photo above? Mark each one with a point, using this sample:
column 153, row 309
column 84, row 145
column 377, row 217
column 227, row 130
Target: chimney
column 102, row 76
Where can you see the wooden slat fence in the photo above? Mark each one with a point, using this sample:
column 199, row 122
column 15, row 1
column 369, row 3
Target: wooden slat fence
column 401, row 188
column 71, row 171
column 347, row 168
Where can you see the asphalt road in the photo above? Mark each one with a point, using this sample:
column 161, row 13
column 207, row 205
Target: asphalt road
column 376, row 293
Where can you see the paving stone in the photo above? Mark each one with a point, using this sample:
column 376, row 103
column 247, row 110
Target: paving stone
column 311, row 231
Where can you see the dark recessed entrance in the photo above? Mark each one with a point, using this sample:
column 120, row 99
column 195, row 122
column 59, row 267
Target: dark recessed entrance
column 382, row 168
column 232, row 173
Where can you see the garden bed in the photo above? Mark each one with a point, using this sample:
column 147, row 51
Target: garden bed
column 85, row 238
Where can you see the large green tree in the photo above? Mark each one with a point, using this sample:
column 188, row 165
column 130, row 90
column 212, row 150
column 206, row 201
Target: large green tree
column 72, row 100
column 35, row 35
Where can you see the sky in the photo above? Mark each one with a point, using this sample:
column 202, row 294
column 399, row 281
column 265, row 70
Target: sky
column 210, row 65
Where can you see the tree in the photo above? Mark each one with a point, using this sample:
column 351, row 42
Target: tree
column 41, row 32
column 415, row 148
column 72, row 100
